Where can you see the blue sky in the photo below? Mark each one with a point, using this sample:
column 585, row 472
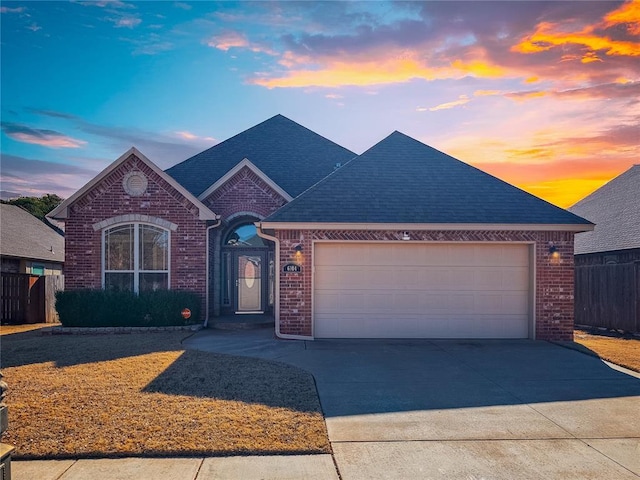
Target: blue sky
column 543, row 95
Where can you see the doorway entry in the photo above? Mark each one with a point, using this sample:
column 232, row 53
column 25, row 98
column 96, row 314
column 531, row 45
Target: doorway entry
column 247, row 272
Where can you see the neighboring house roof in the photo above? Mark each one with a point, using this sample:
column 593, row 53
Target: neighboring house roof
column 403, row 181
column 24, row 236
column 291, row 155
column 61, row 211
column 615, row 209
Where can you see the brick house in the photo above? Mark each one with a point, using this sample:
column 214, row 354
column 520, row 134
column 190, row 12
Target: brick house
column 401, row 241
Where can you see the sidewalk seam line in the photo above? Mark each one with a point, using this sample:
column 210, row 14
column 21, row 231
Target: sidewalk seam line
column 67, row 469
column 199, row 468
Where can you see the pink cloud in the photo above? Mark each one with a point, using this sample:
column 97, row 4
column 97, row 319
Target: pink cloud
column 193, row 137
column 227, row 40
column 45, row 138
column 232, row 39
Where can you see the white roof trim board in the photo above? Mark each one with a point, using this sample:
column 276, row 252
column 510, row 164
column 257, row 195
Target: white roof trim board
column 61, row 212
column 251, row 166
column 427, row 226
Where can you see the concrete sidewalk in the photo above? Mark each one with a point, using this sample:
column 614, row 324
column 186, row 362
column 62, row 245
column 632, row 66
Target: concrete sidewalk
column 312, row 467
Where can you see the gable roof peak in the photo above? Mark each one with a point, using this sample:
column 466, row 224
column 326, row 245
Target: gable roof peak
column 277, row 146
column 61, row 212
column 245, row 163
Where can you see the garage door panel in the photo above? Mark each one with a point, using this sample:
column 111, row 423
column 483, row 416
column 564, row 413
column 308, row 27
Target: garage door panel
column 515, row 303
column 421, row 290
column 409, row 302
column 462, row 302
column 488, row 303
column 514, row 255
column 434, row 278
column 340, row 255
column 489, row 278
column 352, row 301
column 434, row 302
column 420, row 326
column 379, row 278
column 369, row 302
column 438, row 255
column 327, row 302
column 327, row 276
column 380, row 302
column 513, row 278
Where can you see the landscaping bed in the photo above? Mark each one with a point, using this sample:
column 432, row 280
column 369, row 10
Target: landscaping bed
column 623, row 350
column 145, row 395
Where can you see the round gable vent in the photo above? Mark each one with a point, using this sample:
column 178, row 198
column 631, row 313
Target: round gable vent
column 135, row 183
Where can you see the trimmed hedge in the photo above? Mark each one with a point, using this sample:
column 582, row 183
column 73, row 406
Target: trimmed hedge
column 101, row 308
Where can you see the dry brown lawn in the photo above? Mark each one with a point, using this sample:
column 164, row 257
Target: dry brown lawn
column 10, row 329
column 143, row 394
column 618, row 349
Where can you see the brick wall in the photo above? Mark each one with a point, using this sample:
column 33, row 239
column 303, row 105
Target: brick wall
column 244, row 192
column 108, row 199
column 554, row 276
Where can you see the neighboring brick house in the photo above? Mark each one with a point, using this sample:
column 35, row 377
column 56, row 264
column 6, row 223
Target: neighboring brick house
column 608, row 258
column 401, row 241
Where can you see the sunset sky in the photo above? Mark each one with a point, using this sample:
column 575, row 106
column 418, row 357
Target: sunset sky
column 544, row 95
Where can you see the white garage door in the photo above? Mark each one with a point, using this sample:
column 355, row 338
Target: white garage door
column 400, row 290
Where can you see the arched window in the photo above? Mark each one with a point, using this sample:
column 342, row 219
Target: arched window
column 245, row 235
column 136, row 258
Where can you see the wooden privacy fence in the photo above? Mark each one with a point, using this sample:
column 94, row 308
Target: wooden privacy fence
column 29, row 298
column 608, row 296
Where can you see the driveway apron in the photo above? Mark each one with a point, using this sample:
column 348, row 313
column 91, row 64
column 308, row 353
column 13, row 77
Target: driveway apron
column 461, row 409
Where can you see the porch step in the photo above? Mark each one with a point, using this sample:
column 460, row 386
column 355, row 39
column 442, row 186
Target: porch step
column 242, row 322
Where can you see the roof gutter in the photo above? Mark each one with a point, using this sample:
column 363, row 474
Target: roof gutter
column 279, row 334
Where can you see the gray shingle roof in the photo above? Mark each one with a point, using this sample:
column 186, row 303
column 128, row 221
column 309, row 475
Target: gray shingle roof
column 401, row 180
column 291, row 155
column 615, row 209
column 24, row 236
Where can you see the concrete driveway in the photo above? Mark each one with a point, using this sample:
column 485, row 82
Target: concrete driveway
column 461, row 409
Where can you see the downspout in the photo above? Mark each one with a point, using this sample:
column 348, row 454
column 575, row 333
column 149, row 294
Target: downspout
column 206, row 317
column 285, row 336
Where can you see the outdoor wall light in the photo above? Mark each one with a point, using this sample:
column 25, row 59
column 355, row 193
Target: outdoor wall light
column 553, row 250
column 405, row 236
column 297, row 256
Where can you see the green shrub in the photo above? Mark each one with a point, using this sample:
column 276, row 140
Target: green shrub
column 101, row 308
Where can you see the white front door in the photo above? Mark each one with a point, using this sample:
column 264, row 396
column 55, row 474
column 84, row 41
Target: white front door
column 249, row 284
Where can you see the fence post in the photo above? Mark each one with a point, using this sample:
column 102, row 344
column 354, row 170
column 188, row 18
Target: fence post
column 53, row 284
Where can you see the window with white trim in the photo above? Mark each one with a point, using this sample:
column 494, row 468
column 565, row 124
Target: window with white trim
column 136, row 258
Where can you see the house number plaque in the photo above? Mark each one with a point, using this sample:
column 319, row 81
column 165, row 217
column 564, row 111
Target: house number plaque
column 292, row 268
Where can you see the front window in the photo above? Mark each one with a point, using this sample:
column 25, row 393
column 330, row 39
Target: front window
column 136, row 258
